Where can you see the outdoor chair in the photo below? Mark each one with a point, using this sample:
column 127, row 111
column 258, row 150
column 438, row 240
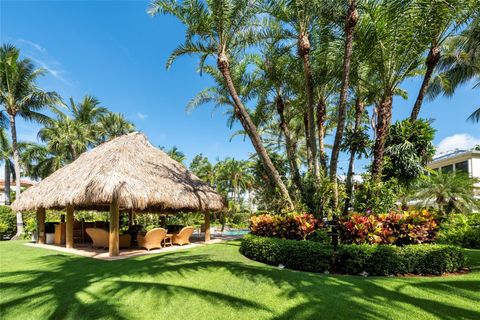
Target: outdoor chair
column 183, row 237
column 100, row 238
column 153, row 239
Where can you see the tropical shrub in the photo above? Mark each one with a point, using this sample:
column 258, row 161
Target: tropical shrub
column 376, row 196
column 8, row 221
column 297, row 226
column 383, row 260
column 293, row 254
column 408, row 227
column 461, row 230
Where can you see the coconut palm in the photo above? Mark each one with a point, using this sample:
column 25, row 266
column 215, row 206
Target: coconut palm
column 175, row 154
column 447, row 192
column 459, row 64
column 111, row 125
column 66, row 136
column 5, row 154
column 222, row 29
column 203, row 169
column 20, row 96
column 443, row 18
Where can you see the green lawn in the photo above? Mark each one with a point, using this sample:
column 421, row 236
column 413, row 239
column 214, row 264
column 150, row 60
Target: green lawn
column 216, row 282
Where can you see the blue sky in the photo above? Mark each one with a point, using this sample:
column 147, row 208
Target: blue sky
column 116, row 52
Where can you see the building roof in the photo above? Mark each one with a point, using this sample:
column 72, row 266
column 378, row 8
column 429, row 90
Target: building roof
column 139, row 175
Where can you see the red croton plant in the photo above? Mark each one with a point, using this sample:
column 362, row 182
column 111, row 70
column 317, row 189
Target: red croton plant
column 408, row 227
column 297, row 226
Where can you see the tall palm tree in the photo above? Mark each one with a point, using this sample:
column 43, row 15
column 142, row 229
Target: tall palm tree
column 66, row 136
column 175, row 154
column 299, row 17
column 443, row 18
column 349, row 27
column 20, row 96
column 5, row 154
column 459, row 64
column 392, row 44
column 203, row 169
column 222, row 28
column 111, row 125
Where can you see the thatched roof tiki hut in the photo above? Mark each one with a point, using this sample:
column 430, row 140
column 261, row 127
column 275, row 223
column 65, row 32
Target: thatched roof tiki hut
column 127, row 173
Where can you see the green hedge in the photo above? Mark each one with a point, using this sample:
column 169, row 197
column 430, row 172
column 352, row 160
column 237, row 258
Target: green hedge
column 427, row 259
column 461, row 230
column 431, row 259
column 293, row 254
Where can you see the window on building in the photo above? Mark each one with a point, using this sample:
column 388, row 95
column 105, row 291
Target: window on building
column 462, row 166
column 447, row 169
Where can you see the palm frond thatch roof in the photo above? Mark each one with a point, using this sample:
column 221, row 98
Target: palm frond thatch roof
column 142, row 177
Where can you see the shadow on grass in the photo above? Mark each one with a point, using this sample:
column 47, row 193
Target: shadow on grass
column 65, row 282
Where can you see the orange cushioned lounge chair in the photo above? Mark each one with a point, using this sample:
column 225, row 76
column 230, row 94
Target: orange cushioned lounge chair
column 153, row 239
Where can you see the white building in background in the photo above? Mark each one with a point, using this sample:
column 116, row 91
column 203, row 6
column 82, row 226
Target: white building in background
column 467, row 161
column 25, row 183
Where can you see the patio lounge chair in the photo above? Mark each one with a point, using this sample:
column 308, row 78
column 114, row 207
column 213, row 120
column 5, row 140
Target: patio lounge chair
column 183, row 237
column 153, row 239
column 100, row 238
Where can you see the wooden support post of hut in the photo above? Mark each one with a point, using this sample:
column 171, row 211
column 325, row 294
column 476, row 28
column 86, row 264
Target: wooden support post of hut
column 69, row 231
column 140, row 176
column 113, row 243
column 41, row 226
column 207, row 226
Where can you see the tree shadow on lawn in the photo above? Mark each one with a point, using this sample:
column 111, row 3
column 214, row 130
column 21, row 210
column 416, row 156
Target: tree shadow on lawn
column 79, row 287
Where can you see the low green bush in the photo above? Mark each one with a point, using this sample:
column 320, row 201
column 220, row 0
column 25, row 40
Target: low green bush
column 293, row 254
column 8, row 221
column 461, row 230
column 356, row 259
column 430, row 259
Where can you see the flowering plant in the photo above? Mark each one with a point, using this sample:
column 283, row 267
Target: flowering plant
column 296, row 226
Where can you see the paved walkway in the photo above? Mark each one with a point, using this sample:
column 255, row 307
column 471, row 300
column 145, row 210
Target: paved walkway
column 86, row 250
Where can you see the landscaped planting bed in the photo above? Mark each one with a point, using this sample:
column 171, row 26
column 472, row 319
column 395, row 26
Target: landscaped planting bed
column 364, row 259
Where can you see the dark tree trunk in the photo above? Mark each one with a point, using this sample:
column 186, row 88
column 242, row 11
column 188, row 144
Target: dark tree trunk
column 290, row 146
column 307, row 143
column 431, row 62
column 321, row 118
column 359, row 109
column 8, row 176
column 350, row 23
column 304, row 53
column 247, row 123
column 384, row 117
column 16, row 164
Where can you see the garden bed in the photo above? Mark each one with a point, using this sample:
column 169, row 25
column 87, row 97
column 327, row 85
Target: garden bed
column 365, row 259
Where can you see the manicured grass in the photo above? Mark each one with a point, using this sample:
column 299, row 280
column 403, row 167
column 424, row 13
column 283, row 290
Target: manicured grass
column 216, row 282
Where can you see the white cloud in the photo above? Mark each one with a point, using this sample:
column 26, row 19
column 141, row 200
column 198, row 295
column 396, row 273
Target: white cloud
column 142, row 116
column 459, row 141
column 33, row 44
column 40, row 56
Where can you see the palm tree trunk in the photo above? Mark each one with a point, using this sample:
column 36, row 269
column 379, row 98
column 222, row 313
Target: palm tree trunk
column 7, row 181
column 304, row 53
column 431, row 62
column 350, row 22
column 359, row 108
column 247, row 123
column 384, row 117
column 290, row 146
column 307, row 143
column 321, row 118
column 16, row 164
